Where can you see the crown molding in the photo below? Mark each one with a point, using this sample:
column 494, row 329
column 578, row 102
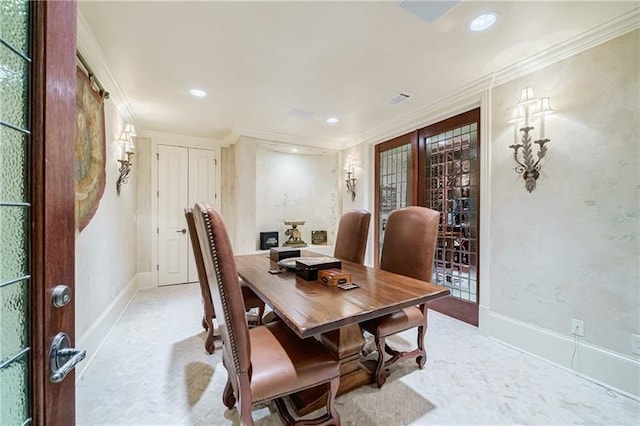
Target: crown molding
column 471, row 95
column 601, row 34
column 92, row 53
column 235, row 134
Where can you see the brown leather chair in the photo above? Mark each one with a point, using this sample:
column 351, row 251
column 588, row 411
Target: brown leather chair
column 266, row 362
column 353, row 231
column 251, row 300
column 408, row 249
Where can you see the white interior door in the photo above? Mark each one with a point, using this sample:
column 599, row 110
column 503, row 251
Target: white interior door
column 202, row 187
column 173, row 197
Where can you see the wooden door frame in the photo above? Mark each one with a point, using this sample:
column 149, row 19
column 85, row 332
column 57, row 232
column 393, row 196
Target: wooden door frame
column 53, row 114
column 410, row 138
column 458, row 308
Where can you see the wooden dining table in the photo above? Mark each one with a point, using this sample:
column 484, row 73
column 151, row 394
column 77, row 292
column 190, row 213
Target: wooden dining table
column 331, row 314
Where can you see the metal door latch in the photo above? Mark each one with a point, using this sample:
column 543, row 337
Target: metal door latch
column 62, row 358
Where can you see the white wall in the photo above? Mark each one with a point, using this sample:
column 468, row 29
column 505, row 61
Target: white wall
column 270, row 187
column 296, row 188
column 106, row 254
column 570, row 248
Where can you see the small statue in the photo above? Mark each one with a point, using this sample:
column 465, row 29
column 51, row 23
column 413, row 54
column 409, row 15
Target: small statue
column 295, row 236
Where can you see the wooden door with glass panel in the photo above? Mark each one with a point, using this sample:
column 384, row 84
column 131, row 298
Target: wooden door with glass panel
column 449, row 182
column 37, row 219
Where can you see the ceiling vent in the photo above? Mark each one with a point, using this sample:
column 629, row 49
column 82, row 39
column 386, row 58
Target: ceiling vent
column 397, row 99
column 300, row 113
column 428, row 11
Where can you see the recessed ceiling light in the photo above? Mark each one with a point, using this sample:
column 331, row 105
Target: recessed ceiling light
column 332, row 120
column 198, row 93
column 484, row 21
column 294, row 149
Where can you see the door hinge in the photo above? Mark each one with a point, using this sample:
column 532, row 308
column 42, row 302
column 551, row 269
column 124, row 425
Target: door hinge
column 157, row 230
column 157, row 156
column 215, row 196
column 158, row 194
column 157, row 267
column 215, row 161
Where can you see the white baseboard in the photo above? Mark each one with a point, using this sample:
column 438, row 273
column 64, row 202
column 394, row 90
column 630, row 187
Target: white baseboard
column 145, row 281
column 101, row 328
column 610, row 369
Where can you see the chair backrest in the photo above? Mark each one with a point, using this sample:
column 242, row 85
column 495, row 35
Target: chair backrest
column 351, row 240
column 222, row 276
column 202, row 273
column 410, row 242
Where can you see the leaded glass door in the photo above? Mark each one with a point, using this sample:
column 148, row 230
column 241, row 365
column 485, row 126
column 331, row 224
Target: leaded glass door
column 395, row 181
column 450, row 184
column 37, row 121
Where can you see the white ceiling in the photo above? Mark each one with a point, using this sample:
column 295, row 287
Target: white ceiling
column 259, row 60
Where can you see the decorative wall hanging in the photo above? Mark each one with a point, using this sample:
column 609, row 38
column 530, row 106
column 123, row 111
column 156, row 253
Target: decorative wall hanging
column 90, row 151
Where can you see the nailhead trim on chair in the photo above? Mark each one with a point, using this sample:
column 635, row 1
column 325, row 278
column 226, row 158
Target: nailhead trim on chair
column 223, row 296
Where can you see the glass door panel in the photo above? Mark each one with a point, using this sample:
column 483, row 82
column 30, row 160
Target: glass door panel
column 15, row 75
column 395, row 181
column 453, row 190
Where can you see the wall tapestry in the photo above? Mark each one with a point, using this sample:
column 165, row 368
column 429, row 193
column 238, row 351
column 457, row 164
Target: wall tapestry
column 90, row 149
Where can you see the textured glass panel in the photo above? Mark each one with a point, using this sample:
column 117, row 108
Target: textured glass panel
column 14, row 244
column 14, row 24
column 14, row 77
column 14, row 317
column 13, row 165
column 14, row 392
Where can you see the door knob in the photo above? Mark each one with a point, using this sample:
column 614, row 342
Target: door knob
column 62, row 358
column 183, row 231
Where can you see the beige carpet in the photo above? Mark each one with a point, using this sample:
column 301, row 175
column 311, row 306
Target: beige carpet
column 363, row 406
column 153, row 370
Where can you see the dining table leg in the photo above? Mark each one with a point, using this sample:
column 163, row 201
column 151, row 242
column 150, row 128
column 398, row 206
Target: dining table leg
column 346, row 343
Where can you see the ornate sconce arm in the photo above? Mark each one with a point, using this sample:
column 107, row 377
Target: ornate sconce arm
column 528, row 160
column 351, row 185
column 125, row 168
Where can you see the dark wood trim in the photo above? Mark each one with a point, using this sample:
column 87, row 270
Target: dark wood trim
column 457, row 308
column 53, row 199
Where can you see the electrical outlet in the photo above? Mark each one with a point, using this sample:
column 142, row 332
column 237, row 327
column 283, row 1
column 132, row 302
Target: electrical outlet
column 635, row 344
column 577, row 327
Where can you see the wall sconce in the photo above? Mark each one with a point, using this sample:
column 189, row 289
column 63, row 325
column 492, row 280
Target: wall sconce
column 529, row 108
column 126, row 143
column 350, row 167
